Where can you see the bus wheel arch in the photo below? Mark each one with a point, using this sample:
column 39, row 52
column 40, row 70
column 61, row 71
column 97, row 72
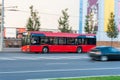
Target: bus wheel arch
column 45, row 49
column 79, row 49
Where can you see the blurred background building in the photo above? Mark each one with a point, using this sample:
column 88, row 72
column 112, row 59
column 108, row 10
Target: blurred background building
column 15, row 21
column 0, row 12
column 83, row 4
column 105, row 7
column 100, row 11
column 49, row 14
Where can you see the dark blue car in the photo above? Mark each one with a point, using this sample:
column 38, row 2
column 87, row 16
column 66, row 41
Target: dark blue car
column 104, row 53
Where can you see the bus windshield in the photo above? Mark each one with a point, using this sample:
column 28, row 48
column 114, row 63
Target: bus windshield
column 25, row 40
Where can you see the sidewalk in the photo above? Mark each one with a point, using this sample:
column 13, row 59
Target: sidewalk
column 14, row 50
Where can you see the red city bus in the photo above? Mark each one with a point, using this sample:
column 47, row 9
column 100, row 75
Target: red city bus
column 45, row 42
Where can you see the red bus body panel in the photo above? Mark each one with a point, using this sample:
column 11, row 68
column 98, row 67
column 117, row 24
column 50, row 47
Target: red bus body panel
column 62, row 48
column 25, row 48
column 35, row 48
column 87, row 48
column 58, row 48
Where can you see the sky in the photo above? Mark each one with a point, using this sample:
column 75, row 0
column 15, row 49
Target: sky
column 49, row 12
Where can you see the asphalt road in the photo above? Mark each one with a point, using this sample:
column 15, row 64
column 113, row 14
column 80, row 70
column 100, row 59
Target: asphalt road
column 24, row 66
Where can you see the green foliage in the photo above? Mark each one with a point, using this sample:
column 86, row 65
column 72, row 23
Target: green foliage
column 112, row 31
column 64, row 22
column 87, row 24
column 94, row 78
column 33, row 23
column 89, row 27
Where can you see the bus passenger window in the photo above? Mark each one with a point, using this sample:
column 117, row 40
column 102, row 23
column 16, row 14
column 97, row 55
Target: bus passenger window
column 70, row 41
column 76, row 41
column 85, row 41
column 51, row 40
column 35, row 41
column 44, row 40
column 91, row 41
column 79, row 41
column 54, row 41
column 62, row 41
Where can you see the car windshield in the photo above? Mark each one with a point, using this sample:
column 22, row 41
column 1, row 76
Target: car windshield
column 113, row 49
column 106, row 49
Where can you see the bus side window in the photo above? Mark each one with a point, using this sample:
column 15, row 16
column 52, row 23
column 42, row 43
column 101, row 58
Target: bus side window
column 79, row 41
column 55, row 41
column 76, row 41
column 35, row 40
column 83, row 41
column 62, row 41
column 91, row 41
column 51, row 41
column 70, row 41
column 86, row 41
column 44, row 40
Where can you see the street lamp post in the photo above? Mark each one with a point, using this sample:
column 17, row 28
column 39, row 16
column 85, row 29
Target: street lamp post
column 2, row 26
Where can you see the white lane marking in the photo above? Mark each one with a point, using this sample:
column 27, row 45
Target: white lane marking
column 27, row 58
column 6, row 58
column 42, row 58
column 19, row 58
column 56, row 63
column 59, row 70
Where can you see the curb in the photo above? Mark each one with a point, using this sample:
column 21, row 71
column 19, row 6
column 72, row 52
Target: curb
column 11, row 50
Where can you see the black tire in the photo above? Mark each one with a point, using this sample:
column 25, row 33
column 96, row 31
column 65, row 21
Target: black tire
column 45, row 50
column 79, row 50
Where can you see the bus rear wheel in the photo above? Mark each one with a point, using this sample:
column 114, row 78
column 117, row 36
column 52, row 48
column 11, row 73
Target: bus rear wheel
column 79, row 50
column 45, row 50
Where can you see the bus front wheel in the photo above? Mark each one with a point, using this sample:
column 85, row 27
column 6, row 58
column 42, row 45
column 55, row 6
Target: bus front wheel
column 45, row 50
column 79, row 50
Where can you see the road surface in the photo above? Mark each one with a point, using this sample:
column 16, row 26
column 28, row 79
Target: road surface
column 29, row 66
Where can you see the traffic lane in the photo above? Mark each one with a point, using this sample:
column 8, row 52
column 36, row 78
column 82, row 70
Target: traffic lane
column 40, row 54
column 6, row 66
column 55, row 73
column 54, row 68
column 39, row 74
column 44, row 61
column 47, row 64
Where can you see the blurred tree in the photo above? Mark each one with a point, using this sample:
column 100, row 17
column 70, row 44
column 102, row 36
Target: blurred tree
column 64, row 22
column 33, row 23
column 87, row 30
column 89, row 27
column 112, row 30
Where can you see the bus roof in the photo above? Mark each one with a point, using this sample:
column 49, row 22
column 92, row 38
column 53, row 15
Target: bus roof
column 60, row 34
